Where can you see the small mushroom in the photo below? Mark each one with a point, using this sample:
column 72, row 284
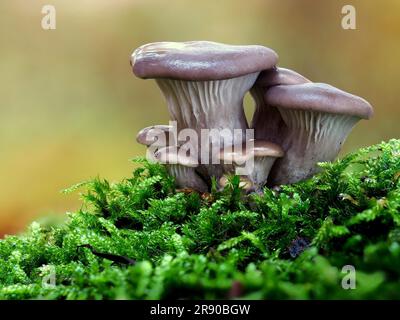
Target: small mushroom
column 318, row 118
column 204, row 84
column 244, row 183
column 182, row 167
column 155, row 137
column 158, row 136
column 253, row 160
column 267, row 121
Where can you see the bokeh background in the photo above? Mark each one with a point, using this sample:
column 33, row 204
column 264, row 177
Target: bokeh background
column 70, row 106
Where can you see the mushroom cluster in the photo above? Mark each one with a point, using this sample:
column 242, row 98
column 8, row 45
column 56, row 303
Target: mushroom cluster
column 296, row 123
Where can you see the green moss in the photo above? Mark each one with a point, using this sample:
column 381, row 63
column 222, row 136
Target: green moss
column 188, row 245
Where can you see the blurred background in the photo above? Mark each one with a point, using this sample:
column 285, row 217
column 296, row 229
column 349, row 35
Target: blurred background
column 70, row 106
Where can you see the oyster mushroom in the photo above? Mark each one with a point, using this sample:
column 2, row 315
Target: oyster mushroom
column 155, row 137
column 182, row 167
column 318, row 118
column 204, row 84
column 158, row 136
column 252, row 160
column 267, row 121
column 244, row 183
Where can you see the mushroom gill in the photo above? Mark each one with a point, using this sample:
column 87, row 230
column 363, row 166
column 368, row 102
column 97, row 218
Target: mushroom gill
column 267, row 122
column 318, row 118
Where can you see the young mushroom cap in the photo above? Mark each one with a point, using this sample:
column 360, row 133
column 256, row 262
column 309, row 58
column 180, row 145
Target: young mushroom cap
column 204, row 84
column 267, row 121
column 157, row 135
column 279, row 76
column 182, row 167
column 318, row 118
column 255, row 160
column 258, row 148
column 171, row 155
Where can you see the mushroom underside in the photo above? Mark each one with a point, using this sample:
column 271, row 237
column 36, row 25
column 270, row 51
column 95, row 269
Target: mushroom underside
column 310, row 137
column 207, row 104
column 215, row 105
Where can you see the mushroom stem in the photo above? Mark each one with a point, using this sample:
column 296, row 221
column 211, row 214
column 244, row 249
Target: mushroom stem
column 260, row 171
column 267, row 121
column 186, row 177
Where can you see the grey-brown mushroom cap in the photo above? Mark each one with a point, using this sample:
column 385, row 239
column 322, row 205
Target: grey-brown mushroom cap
column 318, row 97
column 260, row 148
column 200, row 60
column 145, row 137
column 277, row 76
column 171, row 155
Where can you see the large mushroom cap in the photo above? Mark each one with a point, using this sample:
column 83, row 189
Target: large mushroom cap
column 277, row 76
column 259, row 148
column 318, row 97
column 200, row 60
